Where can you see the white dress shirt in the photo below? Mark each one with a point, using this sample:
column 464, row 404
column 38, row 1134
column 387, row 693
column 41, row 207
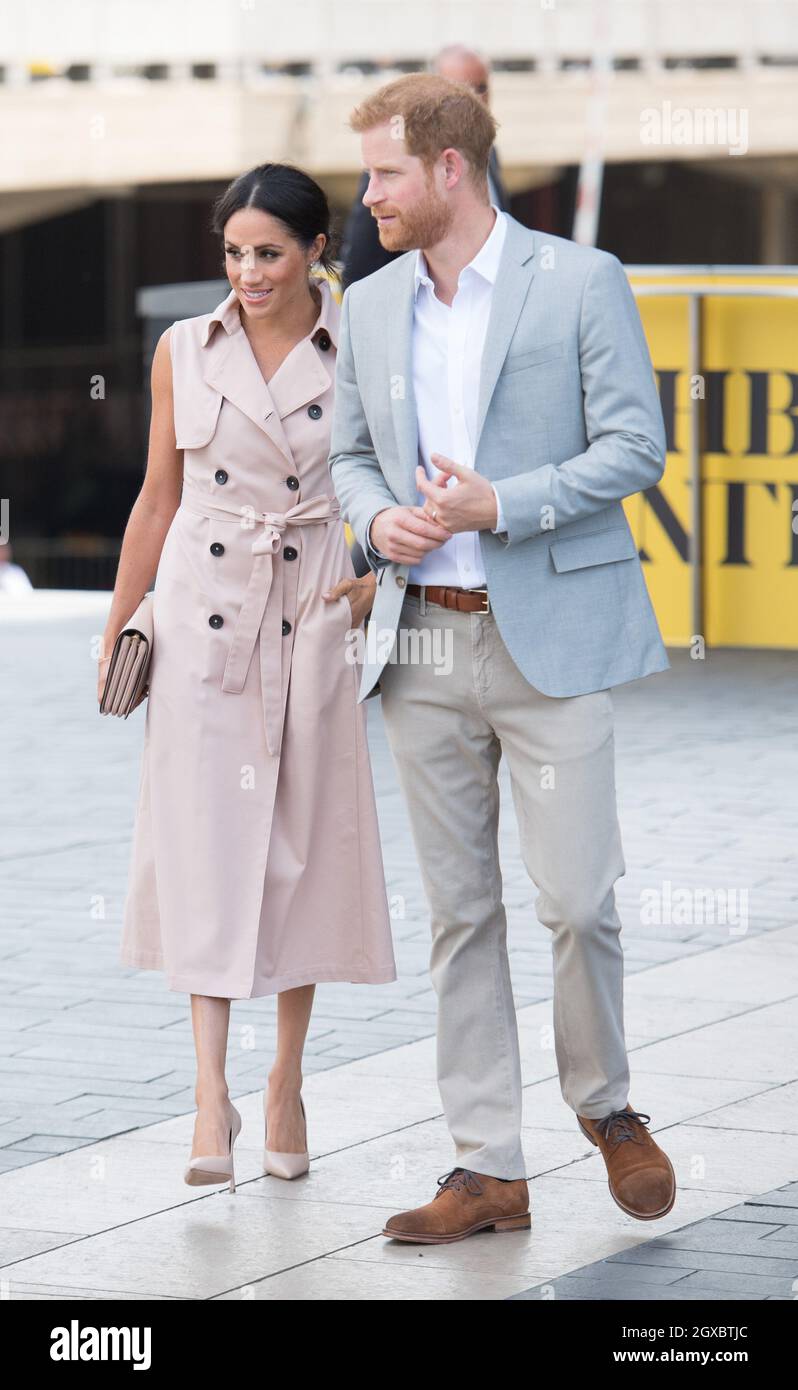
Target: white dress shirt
column 447, row 345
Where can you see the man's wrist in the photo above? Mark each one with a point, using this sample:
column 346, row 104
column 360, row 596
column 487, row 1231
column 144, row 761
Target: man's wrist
column 372, row 547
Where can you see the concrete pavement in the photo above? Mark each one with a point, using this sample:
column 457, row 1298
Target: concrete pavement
column 96, row 1096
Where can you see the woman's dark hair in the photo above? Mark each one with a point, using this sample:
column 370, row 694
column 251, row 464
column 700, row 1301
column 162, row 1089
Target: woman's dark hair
column 290, row 195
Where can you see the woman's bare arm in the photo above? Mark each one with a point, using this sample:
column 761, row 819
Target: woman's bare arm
column 154, row 508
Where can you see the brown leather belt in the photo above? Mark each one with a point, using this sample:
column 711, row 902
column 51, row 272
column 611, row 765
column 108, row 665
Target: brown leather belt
column 450, row 596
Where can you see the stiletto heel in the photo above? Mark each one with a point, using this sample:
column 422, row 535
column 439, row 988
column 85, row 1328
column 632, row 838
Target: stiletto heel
column 285, row 1165
column 215, row 1168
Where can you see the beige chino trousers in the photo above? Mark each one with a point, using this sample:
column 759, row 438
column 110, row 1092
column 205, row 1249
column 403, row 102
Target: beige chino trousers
column 453, row 702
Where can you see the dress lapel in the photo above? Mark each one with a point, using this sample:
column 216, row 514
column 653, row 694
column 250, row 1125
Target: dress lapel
column 231, row 368
column 300, row 378
column 303, row 375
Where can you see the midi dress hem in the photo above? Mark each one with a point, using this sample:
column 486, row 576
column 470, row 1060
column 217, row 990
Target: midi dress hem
column 322, row 974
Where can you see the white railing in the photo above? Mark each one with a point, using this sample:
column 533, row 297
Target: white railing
column 114, row 35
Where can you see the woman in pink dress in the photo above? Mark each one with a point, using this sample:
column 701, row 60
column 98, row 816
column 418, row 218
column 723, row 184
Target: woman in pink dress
column 256, row 864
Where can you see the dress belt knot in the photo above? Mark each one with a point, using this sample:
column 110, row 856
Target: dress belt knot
column 262, row 608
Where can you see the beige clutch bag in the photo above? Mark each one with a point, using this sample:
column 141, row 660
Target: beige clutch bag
column 130, row 663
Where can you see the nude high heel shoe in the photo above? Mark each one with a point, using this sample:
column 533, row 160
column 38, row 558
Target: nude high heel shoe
column 285, row 1165
column 215, row 1168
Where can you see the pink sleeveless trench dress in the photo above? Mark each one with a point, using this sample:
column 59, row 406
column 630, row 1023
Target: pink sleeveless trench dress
column 256, row 862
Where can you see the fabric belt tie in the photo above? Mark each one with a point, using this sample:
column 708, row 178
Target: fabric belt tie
column 263, row 600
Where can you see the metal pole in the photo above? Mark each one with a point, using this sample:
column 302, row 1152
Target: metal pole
column 696, row 546
column 591, row 172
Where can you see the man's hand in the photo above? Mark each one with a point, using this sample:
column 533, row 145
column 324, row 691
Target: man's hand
column 406, row 534
column 470, row 506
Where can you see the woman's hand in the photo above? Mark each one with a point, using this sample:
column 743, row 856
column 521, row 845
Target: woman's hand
column 102, row 675
column 360, row 593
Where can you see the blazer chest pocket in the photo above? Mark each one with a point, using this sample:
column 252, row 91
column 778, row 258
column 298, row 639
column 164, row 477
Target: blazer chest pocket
column 533, row 357
column 593, row 548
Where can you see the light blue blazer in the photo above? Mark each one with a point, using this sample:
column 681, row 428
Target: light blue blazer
column 569, row 422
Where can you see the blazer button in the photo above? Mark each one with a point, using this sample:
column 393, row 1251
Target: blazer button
column 400, row 581
column 221, row 476
column 315, row 412
column 292, row 482
column 324, row 342
column 217, row 548
column 289, row 553
column 286, row 627
column 216, row 620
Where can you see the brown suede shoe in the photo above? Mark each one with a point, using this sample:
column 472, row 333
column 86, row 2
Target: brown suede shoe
column 641, row 1178
column 464, row 1203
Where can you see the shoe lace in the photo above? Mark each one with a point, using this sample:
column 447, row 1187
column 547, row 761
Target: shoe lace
column 619, row 1125
column 457, row 1178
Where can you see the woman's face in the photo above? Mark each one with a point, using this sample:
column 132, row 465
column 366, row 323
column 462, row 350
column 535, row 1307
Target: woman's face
column 266, row 266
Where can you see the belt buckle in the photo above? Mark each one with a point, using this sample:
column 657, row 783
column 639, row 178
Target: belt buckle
column 486, row 609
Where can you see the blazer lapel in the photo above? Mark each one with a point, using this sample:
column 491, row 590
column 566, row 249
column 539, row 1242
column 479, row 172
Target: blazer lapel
column 514, row 277
column 400, row 377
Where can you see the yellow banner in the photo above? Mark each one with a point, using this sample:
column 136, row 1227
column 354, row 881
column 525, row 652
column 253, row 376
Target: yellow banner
column 747, row 387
